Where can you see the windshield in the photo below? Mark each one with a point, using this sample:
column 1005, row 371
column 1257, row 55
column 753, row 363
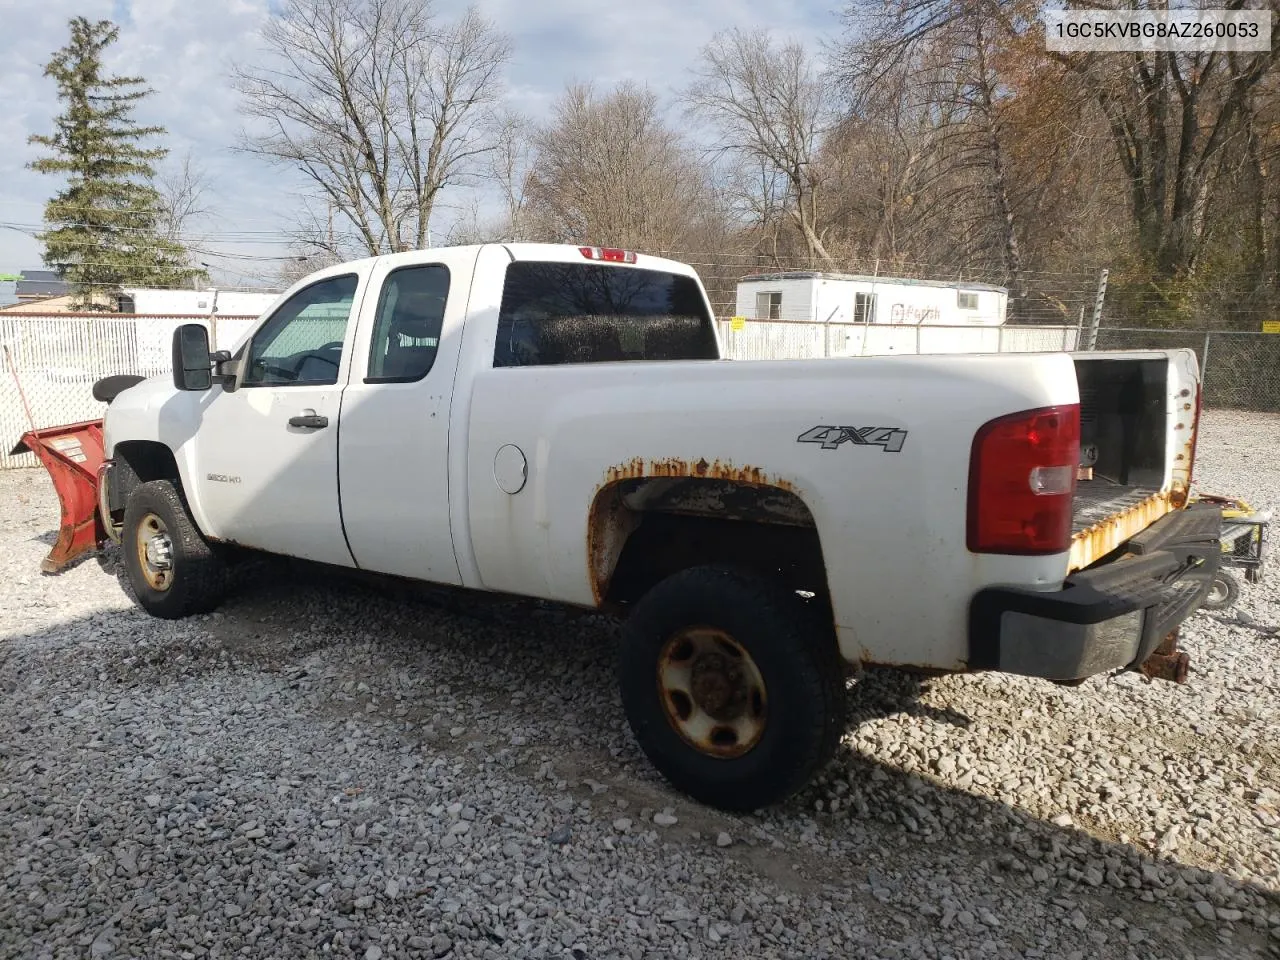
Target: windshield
column 597, row 313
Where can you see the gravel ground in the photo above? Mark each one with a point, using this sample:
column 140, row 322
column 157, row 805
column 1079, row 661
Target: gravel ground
column 319, row 770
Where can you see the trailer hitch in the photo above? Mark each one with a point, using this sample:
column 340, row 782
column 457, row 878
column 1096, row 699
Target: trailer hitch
column 1167, row 662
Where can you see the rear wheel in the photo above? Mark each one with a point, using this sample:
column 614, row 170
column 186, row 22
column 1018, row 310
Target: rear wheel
column 172, row 571
column 732, row 688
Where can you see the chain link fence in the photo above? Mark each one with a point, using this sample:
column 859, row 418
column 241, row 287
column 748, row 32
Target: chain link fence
column 1240, row 369
column 48, row 365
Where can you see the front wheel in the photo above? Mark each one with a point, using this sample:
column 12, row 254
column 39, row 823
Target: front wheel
column 733, row 690
column 171, row 570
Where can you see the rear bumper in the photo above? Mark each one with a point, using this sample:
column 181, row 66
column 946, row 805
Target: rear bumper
column 1109, row 617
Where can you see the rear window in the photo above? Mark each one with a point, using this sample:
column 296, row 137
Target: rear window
column 595, row 313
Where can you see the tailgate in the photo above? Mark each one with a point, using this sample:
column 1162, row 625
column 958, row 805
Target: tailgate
column 1139, row 411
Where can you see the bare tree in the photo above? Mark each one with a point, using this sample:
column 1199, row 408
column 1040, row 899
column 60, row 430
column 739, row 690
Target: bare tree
column 608, row 171
column 937, row 61
column 301, row 263
column 379, row 105
column 184, row 191
column 883, row 173
column 511, row 166
column 770, row 109
column 1171, row 116
column 985, row 151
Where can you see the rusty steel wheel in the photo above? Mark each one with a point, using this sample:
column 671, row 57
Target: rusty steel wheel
column 732, row 685
column 712, row 691
column 155, row 552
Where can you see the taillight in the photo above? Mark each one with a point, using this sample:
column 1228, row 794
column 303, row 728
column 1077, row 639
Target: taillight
column 608, row 254
column 1022, row 479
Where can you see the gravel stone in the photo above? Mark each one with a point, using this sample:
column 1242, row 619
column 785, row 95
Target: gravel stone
column 219, row 787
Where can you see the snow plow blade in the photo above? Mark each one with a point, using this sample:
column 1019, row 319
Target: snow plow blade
column 73, row 456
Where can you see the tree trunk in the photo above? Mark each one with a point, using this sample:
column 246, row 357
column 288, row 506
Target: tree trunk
column 1012, row 255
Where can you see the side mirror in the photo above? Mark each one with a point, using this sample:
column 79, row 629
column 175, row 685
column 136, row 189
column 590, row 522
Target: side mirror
column 192, row 364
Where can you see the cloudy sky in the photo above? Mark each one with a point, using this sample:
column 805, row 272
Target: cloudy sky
column 184, row 49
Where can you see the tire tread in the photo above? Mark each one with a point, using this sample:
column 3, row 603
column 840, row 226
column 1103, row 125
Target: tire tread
column 201, row 581
column 812, row 659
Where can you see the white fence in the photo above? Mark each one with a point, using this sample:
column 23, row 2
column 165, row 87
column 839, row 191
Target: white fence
column 804, row 340
column 51, row 363
column 56, row 358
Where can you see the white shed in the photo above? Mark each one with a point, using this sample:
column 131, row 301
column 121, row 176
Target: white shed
column 851, row 298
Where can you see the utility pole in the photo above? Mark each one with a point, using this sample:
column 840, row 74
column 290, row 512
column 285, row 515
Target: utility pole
column 213, row 315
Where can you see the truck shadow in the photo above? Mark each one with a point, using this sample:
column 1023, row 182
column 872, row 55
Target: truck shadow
column 886, row 692
column 868, row 827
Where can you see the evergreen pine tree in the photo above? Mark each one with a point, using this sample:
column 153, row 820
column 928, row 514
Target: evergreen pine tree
column 102, row 230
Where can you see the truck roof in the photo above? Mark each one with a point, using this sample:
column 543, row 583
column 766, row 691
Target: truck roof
column 568, row 252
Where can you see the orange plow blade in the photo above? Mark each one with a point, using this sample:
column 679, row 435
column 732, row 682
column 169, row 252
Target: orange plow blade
column 73, row 456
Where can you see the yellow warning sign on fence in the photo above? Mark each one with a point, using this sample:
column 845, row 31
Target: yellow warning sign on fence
column 740, row 323
column 1271, row 326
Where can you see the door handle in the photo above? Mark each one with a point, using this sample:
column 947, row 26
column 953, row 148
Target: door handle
column 309, row 419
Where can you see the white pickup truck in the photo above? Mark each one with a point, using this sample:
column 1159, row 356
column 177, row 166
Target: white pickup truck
column 558, row 422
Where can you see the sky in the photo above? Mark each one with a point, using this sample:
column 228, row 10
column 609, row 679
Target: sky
column 185, row 51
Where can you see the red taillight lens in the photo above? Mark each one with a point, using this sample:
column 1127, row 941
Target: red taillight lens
column 608, row 254
column 1022, row 479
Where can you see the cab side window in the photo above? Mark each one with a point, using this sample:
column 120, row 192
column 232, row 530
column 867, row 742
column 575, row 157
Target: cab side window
column 406, row 335
column 302, row 342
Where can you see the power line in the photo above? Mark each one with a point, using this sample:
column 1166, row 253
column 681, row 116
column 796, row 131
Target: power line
column 1070, row 286
column 239, row 236
column 149, row 211
column 870, row 266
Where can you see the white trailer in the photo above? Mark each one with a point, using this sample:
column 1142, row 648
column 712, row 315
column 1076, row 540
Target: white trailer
column 190, row 303
column 851, row 298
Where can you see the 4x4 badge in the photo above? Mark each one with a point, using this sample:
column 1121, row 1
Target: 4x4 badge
column 889, row 439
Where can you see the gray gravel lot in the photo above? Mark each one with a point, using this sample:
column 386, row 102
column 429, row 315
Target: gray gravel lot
column 320, row 770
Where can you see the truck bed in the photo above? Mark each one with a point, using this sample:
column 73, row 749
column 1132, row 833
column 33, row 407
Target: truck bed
column 1099, row 500
column 1137, row 437
column 1106, row 513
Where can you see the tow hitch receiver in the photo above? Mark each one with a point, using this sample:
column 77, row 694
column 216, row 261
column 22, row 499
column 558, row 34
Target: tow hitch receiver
column 72, row 454
column 1167, row 662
